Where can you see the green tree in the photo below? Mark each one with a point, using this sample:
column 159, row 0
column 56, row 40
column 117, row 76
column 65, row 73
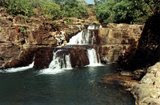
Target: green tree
column 72, row 8
column 125, row 11
column 23, row 7
column 50, row 9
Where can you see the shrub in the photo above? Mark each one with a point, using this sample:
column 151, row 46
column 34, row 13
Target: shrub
column 73, row 8
column 122, row 11
column 22, row 7
column 50, row 9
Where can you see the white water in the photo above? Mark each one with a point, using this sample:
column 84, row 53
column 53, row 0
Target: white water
column 19, row 69
column 82, row 38
column 93, row 27
column 85, row 37
column 61, row 61
column 58, row 64
column 94, row 59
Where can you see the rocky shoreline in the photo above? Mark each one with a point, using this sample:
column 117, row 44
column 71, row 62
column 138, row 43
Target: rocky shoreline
column 146, row 91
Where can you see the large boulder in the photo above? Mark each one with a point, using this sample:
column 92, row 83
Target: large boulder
column 147, row 91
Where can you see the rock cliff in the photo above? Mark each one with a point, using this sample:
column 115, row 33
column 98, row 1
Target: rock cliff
column 147, row 52
column 19, row 35
column 117, row 39
column 24, row 39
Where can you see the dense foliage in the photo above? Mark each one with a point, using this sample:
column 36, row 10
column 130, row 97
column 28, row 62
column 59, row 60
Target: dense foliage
column 50, row 8
column 74, row 8
column 19, row 7
column 125, row 11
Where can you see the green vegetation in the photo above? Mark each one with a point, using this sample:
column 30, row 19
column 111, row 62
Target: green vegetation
column 107, row 11
column 72, row 8
column 53, row 9
column 126, row 11
column 22, row 7
column 50, row 9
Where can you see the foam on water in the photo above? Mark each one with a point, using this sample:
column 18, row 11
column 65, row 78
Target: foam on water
column 19, row 69
column 49, row 71
column 59, row 64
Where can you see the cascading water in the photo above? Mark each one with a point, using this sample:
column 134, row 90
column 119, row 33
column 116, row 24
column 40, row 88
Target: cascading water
column 87, row 37
column 60, row 62
column 82, row 38
column 93, row 57
column 61, row 58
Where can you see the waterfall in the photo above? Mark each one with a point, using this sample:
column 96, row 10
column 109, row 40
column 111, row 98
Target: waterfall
column 82, row 38
column 19, row 69
column 87, row 37
column 61, row 57
column 60, row 61
column 93, row 57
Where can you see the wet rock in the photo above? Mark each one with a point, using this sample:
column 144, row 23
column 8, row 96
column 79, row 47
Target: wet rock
column 23, row 58
column 138, row 74
column 43, row 57
column 124, row 80
column 79, row 57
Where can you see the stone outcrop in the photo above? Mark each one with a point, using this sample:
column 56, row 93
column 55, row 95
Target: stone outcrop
column 43, row 57
column 22, row 34
column 8, row 51
column 79, row 57
column 23, row 58
column 147, row 91
column 117, row 39
column 148, row 50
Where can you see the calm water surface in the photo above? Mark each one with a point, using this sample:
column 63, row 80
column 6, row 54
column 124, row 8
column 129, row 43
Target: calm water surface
column 73, row 87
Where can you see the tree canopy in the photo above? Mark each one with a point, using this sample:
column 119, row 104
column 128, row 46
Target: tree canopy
column 50, row 8
column 126, row 11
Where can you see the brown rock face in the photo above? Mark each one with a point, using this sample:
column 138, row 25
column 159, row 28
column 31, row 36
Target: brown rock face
column 42, row 36
column 116, row 39
column 19, row 33
column 111, row 53
column 24, row 58
column 8, row 51
column 79, row 56
column 148, row 50
column 43, row 57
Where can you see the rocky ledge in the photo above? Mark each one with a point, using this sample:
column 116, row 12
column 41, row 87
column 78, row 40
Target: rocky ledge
column 147, row 90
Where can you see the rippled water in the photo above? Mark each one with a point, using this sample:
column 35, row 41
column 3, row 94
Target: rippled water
column 72, row 87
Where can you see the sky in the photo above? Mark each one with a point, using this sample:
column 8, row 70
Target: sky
column 90, row 1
